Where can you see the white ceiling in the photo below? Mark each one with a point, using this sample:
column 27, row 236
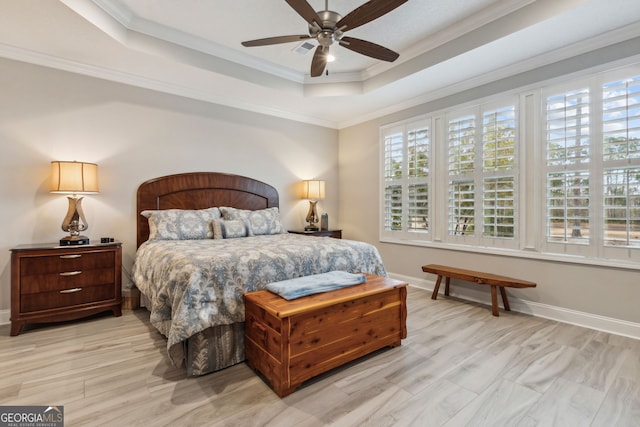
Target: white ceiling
column 192, row 48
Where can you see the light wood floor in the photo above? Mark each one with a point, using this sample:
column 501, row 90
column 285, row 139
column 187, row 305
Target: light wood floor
column 458, row 366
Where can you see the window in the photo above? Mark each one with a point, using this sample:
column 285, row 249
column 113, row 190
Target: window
column 568, row 207
column 482, row 175
column 499, row 161
column 406, row 160
column 621, row 154
column 622, row 207
column 567, row 159
column 458, row 178
column 462, row 131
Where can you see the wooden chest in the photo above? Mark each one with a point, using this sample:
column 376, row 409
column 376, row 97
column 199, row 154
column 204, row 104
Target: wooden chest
column 289, row 342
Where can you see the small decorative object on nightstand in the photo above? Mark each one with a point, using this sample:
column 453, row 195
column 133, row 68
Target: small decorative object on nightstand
column 336, row 234
column 51, row 283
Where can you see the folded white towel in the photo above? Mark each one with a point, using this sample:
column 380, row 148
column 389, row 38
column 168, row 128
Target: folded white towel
column 315, row 284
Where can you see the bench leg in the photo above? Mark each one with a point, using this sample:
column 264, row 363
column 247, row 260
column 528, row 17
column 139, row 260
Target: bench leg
column 446, row 286
column 434, row 295
column 505, row 301
column 494, row 300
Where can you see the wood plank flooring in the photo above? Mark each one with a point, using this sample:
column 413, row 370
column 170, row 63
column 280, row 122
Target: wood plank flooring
column 458, row 366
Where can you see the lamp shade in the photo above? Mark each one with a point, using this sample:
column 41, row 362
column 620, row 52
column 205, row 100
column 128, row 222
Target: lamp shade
column 313, row 189
column 74, row 177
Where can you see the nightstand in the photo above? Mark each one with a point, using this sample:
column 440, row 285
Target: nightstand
column 51, row 283
column 336, row 234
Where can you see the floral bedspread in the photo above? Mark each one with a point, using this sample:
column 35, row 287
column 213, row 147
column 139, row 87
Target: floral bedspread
column 196, row 284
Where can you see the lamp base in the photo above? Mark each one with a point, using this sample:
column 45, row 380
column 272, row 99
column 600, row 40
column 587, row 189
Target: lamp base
column 74, row 240
column 311, row 228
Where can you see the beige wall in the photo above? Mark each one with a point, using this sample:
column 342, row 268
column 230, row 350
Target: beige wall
column 134, row 135
column 577, row 293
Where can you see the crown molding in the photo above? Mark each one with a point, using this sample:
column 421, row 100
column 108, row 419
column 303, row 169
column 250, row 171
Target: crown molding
column 37, row 58
column 627, row 36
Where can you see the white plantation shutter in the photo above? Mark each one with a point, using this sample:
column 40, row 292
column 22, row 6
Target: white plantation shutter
column 568, row 207
column 418, row 174
column 393, row 176
column 567, row 156
column 568, row 128
column 621, row 162
column 482, row 175
column 499, row 186
column 406, row 159
column 499, row 139
column 621, row 119
column 461, row 161
column 459, row 177
column 461, row 139
column 622, row 207
column 393, row 207
column 498, row 210
column 461, row 208
column 418, row 207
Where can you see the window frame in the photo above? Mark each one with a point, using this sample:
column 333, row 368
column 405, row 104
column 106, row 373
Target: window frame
column 405, row 181
column 480, row 176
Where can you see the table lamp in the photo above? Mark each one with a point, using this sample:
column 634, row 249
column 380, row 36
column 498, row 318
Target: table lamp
column 313, row 190
column 74, row 177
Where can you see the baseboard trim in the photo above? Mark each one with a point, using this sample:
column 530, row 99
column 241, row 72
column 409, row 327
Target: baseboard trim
column 560, row 314
column 5, row 317
column 574, row 317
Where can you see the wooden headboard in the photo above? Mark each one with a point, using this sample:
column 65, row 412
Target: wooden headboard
column 200, row 190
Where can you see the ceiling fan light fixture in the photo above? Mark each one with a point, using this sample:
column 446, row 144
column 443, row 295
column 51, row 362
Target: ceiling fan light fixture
column 327, row 27
column 330, row 57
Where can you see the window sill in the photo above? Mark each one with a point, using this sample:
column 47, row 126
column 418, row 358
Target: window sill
column 523, row 253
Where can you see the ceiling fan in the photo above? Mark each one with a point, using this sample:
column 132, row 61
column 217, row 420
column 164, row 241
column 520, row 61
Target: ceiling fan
column 328, row 27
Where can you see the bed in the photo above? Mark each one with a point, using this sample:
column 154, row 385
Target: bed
column 206, row 238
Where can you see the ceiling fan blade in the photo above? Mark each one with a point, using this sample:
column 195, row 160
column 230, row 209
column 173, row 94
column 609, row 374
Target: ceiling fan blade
column 275, row 40
column 319, row 61
column 369, row 11
column 369, row 49
column 305, row 10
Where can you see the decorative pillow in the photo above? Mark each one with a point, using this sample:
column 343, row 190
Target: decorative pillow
column 181, row 224
column 230, row 229
column 263, row 221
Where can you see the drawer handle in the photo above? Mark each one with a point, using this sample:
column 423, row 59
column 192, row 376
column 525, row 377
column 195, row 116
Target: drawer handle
column 70, row 256
column 71, row 273
column 70, row 291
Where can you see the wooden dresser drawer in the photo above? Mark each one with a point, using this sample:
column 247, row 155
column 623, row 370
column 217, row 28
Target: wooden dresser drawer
column 68, row 262
column 34, row 284
column 66, row 298
column 51, row 283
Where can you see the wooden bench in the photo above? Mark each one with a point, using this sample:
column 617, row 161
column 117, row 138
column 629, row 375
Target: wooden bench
column 493, row 280
column 289, row 342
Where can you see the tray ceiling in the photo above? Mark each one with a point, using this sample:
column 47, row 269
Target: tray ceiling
column 192, row 48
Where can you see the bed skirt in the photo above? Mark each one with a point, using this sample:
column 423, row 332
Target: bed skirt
column 214, row 348
column 208, row 351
